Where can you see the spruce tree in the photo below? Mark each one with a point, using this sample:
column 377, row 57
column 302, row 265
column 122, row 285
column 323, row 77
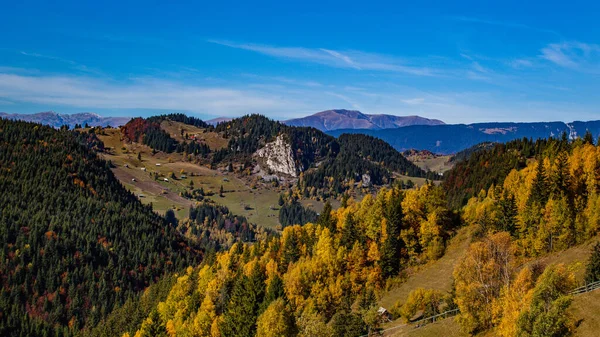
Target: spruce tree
column 325, row 219
column 539, row 190
column 592, row 273
column 588, row 138
column 390, row 254
column 349, row 235
column 508, row 214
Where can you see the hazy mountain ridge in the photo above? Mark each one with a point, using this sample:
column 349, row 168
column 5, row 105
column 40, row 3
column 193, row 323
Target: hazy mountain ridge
column 452, row 138
column 351, row 119
column 57, row 120
column 218, row 120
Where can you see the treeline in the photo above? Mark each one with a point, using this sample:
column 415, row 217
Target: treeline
column 74, row 242
column 182, row 118
column 466, row 153
column 337, row 175
column 317, row 280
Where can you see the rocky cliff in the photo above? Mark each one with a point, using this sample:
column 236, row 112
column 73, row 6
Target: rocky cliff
column 277, row 157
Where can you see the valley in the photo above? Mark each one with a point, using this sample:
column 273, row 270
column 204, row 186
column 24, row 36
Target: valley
column 160, row 179
column 314, row 169
column 321, row 231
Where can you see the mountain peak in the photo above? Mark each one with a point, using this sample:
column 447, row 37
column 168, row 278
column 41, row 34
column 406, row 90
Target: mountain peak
column 335, row 119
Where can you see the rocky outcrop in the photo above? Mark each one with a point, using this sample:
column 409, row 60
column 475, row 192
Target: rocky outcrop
column 277, row 156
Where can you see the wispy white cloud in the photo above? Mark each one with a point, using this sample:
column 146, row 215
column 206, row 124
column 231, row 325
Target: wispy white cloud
column 286, row 80
column 72, row 64
column 414, row 101
column 339, row 59
column 520, row 63
column 353, row 103
column 479, row 68
column 142, row 93
column 574, row 55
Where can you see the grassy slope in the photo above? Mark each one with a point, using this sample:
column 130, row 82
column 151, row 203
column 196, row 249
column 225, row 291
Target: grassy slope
column 417, row 180
column 585, row 308
column 436, row 275
column 212, row 139
column 164, row 195
column 439, row 164
column 446, row 327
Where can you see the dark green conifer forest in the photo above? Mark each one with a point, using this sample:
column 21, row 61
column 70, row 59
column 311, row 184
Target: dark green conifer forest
column 75, row 243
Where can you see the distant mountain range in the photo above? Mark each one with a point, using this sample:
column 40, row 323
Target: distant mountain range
column 351, row 119
column 448, row 139
column 218, row 120
column 57, row 120
column 402, row 132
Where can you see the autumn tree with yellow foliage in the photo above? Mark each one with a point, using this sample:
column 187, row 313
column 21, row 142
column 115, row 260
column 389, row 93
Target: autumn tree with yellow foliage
column 311, row 279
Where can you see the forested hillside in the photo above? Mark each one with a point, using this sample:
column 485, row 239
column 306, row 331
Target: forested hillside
column 548, row 206
column 316, row 280
column 249, row 133
column 148, row 132
column 326, row 165
column 490, row 165
column 215, row 228
column 75, row 243
column 360, row 158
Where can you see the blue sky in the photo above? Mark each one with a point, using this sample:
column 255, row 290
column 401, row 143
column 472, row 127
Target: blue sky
column 459, row 62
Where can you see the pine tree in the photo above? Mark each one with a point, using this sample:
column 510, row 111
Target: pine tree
column 592, row 273
column 243, row 307
column 275, row 289
column 588, row 138
column 539, row 189
column 390, row 252
column 349, row 235
column 560, row 178
column 291, row 251
column 170, row 217
column 508, row 214
column 325, row 219
column 239, row 320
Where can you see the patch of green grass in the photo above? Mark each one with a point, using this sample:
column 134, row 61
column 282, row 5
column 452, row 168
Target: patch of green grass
column 254, row 204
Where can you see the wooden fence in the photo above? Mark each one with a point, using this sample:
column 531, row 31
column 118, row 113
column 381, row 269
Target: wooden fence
column 586, row 288
column 431, row 319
